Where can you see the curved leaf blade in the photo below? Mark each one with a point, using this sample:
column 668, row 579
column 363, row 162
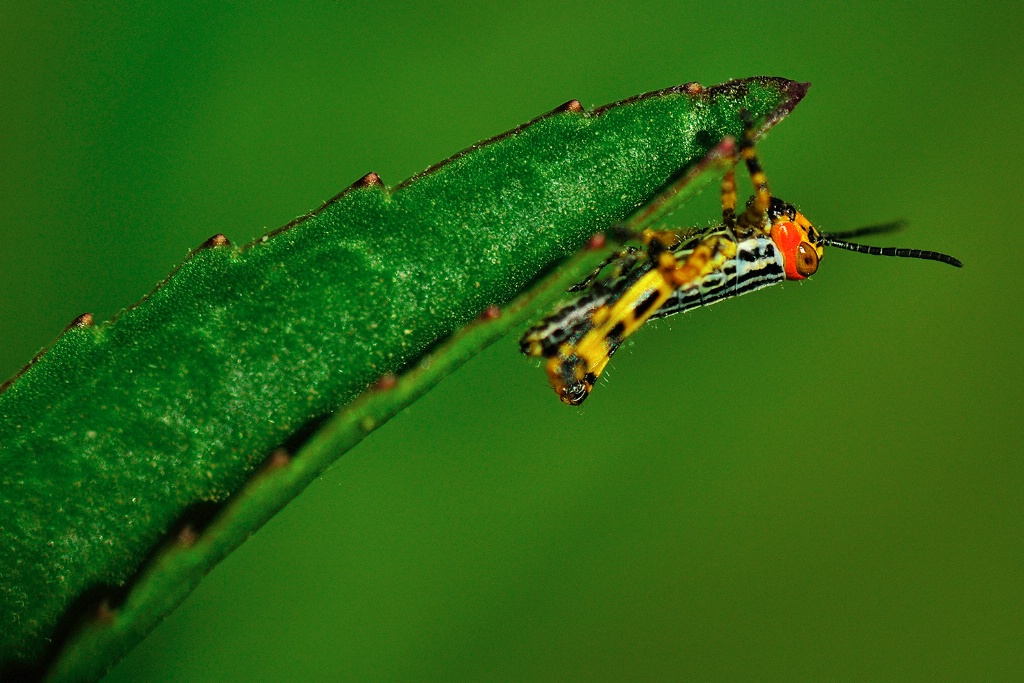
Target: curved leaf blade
column 120, row 427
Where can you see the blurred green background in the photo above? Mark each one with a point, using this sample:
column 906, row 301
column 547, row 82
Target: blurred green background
column 820, row 481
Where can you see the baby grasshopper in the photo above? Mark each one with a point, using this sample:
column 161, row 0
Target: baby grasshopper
column 675, row 271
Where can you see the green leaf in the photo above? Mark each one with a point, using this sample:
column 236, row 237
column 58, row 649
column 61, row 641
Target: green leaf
column 194, row 396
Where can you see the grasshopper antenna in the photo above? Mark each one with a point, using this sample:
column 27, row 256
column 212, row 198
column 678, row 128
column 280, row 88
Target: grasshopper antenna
column 831, row 241
column 879, row 229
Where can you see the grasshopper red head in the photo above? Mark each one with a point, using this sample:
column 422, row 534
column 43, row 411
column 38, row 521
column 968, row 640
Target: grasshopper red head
column 797, row 240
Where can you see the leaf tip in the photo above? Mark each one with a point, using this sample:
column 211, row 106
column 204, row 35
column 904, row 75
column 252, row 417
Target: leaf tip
column 794, row 91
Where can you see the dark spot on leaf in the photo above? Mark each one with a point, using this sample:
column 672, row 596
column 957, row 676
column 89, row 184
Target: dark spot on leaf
column 369, row 180
column 187, row 536
column 278, row 459
column 193, row 522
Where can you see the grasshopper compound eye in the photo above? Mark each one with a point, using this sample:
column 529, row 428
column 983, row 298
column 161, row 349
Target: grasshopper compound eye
column 806, row 259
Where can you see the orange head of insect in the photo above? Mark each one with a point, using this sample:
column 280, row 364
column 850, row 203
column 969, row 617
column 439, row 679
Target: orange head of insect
column 797, row 240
